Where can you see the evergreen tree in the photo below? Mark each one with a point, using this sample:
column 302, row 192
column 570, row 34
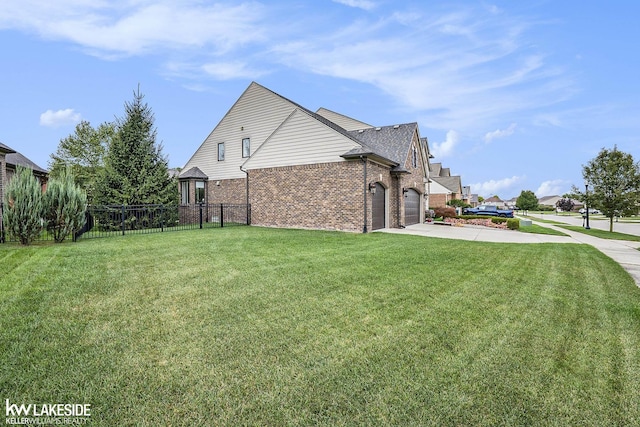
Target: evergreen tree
column 23, row 209
column 65, row 205
column 135, row 170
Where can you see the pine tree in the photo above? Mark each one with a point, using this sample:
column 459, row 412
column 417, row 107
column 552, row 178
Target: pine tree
column 65, row 205
column 136, row 172
column 23, row 208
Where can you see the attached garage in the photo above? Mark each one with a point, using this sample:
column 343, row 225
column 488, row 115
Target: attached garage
column 378, row 208
column 411, row 207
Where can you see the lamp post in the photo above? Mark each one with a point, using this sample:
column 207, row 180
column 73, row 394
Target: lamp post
column 586, row 206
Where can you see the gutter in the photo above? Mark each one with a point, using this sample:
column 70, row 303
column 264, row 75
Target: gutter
column 364, row 164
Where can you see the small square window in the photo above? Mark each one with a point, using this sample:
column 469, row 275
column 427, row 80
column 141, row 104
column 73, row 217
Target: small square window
column 246, row 147
column 221, row 151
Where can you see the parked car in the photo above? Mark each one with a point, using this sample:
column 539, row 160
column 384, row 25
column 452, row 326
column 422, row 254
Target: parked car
column 591, row 211
column 488, row 210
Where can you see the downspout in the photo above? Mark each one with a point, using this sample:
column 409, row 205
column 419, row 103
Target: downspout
column 400, row 194
column 247, row 193
column 364, row 161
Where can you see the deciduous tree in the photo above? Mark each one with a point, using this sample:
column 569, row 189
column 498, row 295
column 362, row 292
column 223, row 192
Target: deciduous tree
column 83, row 153
column 614, row 184
column 527, row 200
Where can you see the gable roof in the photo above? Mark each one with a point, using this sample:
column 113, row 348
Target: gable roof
column 435, row 169
column 346, row 122
column 391, row 142
column 493, row 199
column 451, row 183
column 5, row 149
column 17, row 159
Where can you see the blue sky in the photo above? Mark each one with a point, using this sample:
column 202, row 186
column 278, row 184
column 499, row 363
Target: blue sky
column 512, row 95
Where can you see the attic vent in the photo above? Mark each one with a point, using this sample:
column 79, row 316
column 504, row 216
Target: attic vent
column 377, row 128
column 396, row 126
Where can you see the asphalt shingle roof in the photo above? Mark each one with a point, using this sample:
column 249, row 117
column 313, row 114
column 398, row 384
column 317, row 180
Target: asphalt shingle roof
column 193, row 173
column 391, row 142
column 17, row 159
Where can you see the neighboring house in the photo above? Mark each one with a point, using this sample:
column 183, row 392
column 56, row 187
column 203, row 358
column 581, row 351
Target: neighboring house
column 302, row 169
column 443, row 187
column 494, row 201
column 9, row 161
column 549, row 201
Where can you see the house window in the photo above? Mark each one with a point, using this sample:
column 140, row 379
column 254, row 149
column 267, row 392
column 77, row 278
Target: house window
column 200, row 192
column 414, row 157
column 184, row 192
column 246, row 147
column 221, row 151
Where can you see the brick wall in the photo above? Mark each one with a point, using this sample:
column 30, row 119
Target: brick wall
column 227, row 191
column 321, row 196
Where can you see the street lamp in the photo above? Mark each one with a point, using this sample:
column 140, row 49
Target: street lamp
column 586, row 207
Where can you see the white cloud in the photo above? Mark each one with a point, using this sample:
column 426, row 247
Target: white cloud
column 445, row 148
column 495, row 187
column 139, row 27
column 441, row 63
column 555, row 187
column 361, row 4
column 231, row 70
column 500, row 133
column 59, row 118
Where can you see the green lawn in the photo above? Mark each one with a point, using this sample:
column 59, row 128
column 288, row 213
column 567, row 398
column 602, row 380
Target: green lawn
column 538, row 229
column 250, row 326
column 603, row 234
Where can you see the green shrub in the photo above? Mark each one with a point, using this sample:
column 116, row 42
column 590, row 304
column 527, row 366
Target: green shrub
column 65, row 205
column 513, row 224
column 23, row 210
column 498, row 220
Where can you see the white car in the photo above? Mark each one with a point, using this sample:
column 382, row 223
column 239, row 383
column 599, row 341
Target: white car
column 591, row 211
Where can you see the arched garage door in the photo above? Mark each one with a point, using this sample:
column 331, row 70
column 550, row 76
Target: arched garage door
column 411, row 207
column 378, row 208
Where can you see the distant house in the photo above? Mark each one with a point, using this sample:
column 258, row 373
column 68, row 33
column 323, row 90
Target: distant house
column 304, row 169
column 494, row 201
column 10, row 160
column 443, row 187
column 549, row 201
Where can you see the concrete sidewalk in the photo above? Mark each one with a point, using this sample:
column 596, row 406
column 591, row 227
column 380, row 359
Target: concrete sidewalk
column 623, row 252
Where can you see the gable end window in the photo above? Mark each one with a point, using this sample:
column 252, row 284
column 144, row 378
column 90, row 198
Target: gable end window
column 414, row 157
column 246, row 147
column 221, row 151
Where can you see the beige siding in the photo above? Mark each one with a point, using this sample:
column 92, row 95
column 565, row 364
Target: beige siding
column 301, row 140
column 343, row 121
column 256, row 114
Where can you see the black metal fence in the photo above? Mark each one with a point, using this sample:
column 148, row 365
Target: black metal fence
column 118, row 220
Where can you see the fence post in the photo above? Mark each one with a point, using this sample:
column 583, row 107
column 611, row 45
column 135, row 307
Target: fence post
column 122, row 220
column 1, row 221
column 162, row 218
column 201, row 215
column 221, row 215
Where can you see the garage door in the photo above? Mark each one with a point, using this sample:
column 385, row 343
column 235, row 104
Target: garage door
column 378, row 210
column 412, row 207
